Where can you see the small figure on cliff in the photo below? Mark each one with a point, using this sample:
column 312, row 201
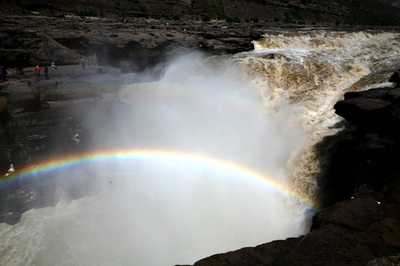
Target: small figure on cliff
column 1, row 74
column 46, row 72
column 53, row 65
column 395, row 78
column 89, row 62
column 19, row 70
column 37, row 70
column 4, row 72
column 83, row 63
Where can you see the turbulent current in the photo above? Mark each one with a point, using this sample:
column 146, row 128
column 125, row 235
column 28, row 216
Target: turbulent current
column 213, row 155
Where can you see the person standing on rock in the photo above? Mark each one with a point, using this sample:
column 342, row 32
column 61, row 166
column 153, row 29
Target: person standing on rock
column 1, row 74
column 83, row 63
column 54, row 67
column 37, row 70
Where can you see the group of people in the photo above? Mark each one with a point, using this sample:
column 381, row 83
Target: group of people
column 46, row 71
column 38, row 69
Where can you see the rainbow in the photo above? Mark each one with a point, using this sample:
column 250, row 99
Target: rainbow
column 79, row 160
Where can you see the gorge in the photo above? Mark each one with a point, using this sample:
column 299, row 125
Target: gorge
column 269, row 95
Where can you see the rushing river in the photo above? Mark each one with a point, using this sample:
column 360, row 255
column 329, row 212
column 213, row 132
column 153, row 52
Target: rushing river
column 213, row 156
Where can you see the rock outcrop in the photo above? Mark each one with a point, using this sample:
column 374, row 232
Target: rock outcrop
column 321, row 12
column 132, row 45
column 364, row 227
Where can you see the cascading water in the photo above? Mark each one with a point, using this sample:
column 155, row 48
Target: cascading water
column 311, row 70
column 214, row 156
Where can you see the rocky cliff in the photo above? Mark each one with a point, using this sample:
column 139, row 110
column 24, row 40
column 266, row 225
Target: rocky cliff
column 320, row 12
column 131, row 44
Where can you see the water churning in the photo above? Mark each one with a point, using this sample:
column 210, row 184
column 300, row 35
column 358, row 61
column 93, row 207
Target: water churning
column 205, row 159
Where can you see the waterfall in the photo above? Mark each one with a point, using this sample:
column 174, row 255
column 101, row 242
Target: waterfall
column 311, row 70
column 214, row 155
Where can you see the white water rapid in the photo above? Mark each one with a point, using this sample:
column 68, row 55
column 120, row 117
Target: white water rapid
column 206, row 147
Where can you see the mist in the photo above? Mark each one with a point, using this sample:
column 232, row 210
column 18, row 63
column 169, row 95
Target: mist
column 166, row 211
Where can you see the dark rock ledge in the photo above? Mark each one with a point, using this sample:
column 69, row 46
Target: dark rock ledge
column 363, row 227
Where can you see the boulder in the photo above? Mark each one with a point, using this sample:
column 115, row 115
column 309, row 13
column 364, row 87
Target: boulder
column 375, row 110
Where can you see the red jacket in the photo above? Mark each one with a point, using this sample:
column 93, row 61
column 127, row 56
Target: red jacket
column 38, row 70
